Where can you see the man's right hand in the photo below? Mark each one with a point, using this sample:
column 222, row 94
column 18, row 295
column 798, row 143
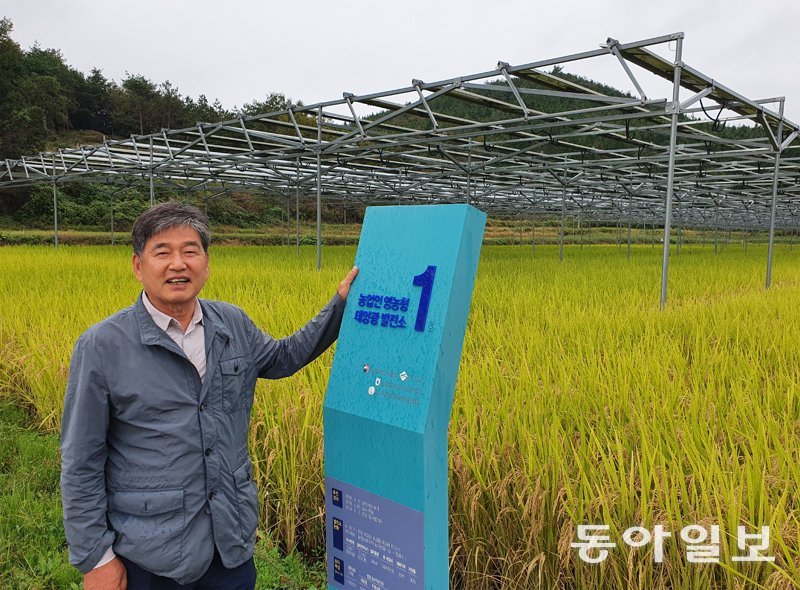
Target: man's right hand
column 344, row 286
column 111, row 576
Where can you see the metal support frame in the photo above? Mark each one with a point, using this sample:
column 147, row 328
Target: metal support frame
column 369, row 153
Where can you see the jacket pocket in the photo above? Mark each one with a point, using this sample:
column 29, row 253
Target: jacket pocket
column 247, row 501
column 149, row 526
column 233, row 394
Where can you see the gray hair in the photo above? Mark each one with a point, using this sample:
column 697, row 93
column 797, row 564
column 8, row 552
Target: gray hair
column 167, row 216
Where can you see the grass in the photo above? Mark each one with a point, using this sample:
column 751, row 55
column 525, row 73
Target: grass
column 32, row 546
column 577, row 401
column 33, row 554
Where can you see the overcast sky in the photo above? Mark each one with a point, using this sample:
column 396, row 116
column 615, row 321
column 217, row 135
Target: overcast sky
column 240, row 50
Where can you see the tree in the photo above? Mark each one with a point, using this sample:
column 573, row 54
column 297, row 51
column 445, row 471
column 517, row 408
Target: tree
column 40, row 100
column 95, row 100
column 138, row 103
column 36, row 108
column 220, row 113
column 45, row 62
column 171, row 103
column 10, row 59
column 275, row 101
column 49, row 64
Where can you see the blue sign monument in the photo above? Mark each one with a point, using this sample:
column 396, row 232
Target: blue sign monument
column 387, row 407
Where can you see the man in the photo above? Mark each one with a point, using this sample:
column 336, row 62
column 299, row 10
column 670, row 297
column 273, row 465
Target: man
column 156, row 477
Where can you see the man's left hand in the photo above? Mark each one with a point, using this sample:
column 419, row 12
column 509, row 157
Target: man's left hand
column 344, row 286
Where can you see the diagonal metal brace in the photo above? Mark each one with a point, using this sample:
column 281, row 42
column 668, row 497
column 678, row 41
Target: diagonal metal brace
column 562, row 181
column 348, row 98
column 446, row 154
column 418, row 85
column 246, row 133
column 789, row 140
column 699, row 96
column 612, row 46
column 503, row 67
column 296, row 126
column 770, row 135
column 166, row 144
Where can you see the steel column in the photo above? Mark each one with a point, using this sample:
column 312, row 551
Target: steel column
column 774, row 197
column 673, row 139
column 561, row 233
column 152, row 190
column 319, row 188
column 629, row 232
column 288, row 212
column 588, row 232
column 112, row 218
column 55, row 212
column 297, row 206
column 653, row 235
column 469, row 173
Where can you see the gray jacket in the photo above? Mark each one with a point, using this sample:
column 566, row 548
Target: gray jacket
column 155, row 462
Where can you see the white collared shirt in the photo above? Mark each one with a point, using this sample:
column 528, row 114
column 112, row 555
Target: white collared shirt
column 192, row 342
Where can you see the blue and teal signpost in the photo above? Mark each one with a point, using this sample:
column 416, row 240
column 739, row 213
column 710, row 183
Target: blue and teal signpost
column 387, row 407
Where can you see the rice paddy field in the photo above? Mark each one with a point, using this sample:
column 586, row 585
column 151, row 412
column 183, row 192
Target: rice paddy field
column 578, row 402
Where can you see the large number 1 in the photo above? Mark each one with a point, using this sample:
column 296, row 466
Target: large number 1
column 424, row 280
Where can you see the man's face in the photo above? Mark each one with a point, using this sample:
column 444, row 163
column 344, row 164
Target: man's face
column 173, row 267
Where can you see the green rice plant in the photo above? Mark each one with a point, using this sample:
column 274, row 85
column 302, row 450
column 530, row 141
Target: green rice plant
column 578, row 401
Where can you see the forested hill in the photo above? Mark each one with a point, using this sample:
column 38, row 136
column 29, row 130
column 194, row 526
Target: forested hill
column 46, row 104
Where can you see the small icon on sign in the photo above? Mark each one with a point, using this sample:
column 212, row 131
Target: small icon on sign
column 377, row 381
column 366, row 368
column 371, row 390
column 338, row 534
column 336, row 496
column 338, row 570
column 403, row 376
